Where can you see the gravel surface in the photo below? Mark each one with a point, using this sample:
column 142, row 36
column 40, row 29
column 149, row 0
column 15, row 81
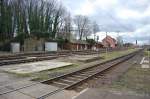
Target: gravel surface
column 111, row 76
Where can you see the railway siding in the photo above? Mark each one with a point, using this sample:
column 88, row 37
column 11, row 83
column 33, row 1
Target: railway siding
column 40, row 96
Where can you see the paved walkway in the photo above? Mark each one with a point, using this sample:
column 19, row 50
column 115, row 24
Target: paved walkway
column 145, row 62
column 32, row 92
column 34, row 66
column 101, row 94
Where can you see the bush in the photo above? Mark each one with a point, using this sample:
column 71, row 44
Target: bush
column 39, row 34
column 61, row 41
column 91, row 41
column 20, row 38
column 5, row 47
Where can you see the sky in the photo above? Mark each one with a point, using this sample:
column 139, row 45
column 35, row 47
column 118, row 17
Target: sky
column 129, row 18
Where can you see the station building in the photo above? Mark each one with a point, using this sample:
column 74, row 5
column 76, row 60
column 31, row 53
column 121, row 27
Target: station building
column 109, row 42
column 82, row 45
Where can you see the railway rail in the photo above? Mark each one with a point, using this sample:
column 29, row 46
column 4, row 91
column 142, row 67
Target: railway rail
column 33, row 57
column 7, row 60
column 74, row 79
column 38, row 54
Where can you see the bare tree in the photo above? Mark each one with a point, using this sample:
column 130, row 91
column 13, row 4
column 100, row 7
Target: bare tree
column 30, row 16
column 95, row 29
column 83, row 26
column 58, row 20
column 119, row 41
column 66, row 27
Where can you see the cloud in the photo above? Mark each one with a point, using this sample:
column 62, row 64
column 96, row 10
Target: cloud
column 130, row 17
column 86, row 9
column 139, row 5
column 90, row 6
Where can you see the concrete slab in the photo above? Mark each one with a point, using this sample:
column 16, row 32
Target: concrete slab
column 102, row 94
column 63, row 95
column 15, row 95
column 19, row 84
column 145, row 66
column 14, row 86
column 34, row 67
column 4, row 89
column 8, row 79
column 5, row 78
column 142, row 60
column 146, row 61
column 38, row 90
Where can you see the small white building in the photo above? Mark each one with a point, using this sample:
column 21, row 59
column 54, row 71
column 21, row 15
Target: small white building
column 51, row 46
column 15, row 47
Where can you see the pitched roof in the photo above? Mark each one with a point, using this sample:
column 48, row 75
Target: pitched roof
column 109, row 38
column 79, row 41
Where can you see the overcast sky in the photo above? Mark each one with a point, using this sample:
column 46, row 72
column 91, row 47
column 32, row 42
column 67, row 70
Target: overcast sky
column 129, row 17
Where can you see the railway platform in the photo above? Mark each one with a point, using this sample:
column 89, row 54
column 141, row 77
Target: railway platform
column 48, row 91
column 32, row 92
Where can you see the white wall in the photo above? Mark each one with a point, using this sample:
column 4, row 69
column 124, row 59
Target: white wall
column 15, row 47
column 50, row 46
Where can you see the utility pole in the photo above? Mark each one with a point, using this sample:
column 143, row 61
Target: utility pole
column 136, row 42
column 97, row 49
column 149, row 52
column 106, row 44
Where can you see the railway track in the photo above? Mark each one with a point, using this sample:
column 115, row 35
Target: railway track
column 7, row 60
column 33, row 57
column 24, row 55
column 41, row 54
column 74, row 79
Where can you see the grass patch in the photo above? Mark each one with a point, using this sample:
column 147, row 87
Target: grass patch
column 111, row 55
column 43, row 75
column 18, row 75
column 147, row 53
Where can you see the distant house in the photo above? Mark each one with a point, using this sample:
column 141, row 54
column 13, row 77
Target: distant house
column 77, row 45
column 82, row 45
column 108, row 41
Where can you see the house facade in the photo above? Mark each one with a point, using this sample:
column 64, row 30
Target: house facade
column 110, row 42
column 76, row 45
column 82, row 45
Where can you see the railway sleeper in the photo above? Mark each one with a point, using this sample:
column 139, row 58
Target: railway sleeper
column 78, row 76
column 83, row 74
column 89, row 72
column 60, row 83
column 73, row 78
column 66, row 81
column 57, row 85
column 71, row 81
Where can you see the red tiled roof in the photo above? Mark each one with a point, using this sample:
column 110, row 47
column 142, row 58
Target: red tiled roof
column 109, row 42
